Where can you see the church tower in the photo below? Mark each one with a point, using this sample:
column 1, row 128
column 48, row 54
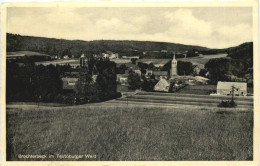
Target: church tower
column 174, row 66
column 82, row 61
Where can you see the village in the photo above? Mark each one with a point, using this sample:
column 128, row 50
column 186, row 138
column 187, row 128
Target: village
column 135, row 75
column 145, row 82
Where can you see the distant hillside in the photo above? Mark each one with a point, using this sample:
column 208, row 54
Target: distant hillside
column 63, row 47
column 242, row 52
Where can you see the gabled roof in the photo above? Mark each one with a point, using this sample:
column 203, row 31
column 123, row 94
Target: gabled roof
column 228, row 85
column 162, row 85
column 160, row 73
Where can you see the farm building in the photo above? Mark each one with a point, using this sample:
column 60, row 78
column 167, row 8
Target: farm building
column 163, row 85
column 225, row 88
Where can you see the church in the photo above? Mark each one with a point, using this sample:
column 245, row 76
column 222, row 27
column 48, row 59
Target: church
column 164, row 84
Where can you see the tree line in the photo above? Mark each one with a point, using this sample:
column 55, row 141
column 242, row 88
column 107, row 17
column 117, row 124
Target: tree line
column 38, row 83
column 61, row 47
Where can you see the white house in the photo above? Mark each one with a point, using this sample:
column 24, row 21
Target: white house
column 225, row 88
column 69, row 83
column 163, row 85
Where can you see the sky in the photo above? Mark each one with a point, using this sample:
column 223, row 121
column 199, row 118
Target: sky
column 212, row 27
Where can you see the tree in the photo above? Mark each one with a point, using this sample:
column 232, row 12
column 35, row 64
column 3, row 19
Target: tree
column 106, row 84
column 203, row 72
column 121, row 69
column 134, row 80
column 143, row 67
column 151, row 66
column 133, row 60
column 184, row 68
column 28, row 82
column 219, row 69
column 148, row 84
column 191, row 53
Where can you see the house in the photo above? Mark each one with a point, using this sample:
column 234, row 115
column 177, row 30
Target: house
column 94, row 77
column 133, row 67
column 163, row 85
column 225, row 88
column 148, row 72
column 196, row 69
column 105, row 55
column 69, row 83
column 164, row 51
column 201, row 79
column 122, row 79
column 133, row 57
column 113, row 56
column 158, row 63
column 73, row 74
column 160, row 74
column 66, row 57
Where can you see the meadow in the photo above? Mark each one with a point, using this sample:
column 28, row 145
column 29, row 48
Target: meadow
column 132, row 133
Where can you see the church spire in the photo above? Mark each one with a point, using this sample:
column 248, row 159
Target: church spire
column 174, row 66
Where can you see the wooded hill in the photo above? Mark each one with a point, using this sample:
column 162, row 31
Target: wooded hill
column 63, row 47
column 243, row 52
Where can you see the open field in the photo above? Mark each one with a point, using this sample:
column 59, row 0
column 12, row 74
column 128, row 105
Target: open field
column 197, row 89
column 203, row 89
column 186, row 99
column 130, row 132
column 202, row 59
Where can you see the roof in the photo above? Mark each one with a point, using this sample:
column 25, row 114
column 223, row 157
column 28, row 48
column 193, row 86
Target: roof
column 71, row 74
column 132, row 66
column 201, row 78
column 154, row 61
column 122, row 75
column 162, row 85
column 69, row 79
column 228, row 85
column 160, row 73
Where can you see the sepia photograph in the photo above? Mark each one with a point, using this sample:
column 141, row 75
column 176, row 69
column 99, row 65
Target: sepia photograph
column 146, row 83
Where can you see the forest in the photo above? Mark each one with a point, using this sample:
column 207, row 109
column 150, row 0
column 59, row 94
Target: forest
column 240, row 64
column 61, row 47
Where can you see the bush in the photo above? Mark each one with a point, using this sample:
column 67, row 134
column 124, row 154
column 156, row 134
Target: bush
column 227, row 104
column 65, row 99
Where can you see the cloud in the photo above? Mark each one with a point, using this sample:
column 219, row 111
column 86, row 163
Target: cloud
column 177, row 25
column 185, row 25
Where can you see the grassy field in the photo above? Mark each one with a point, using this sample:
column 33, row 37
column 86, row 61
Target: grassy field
column 130, row 132
column 203, row 89
column 202, row 59
column 197, row 89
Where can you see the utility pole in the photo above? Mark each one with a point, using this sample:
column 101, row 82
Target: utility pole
column 232, row 90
